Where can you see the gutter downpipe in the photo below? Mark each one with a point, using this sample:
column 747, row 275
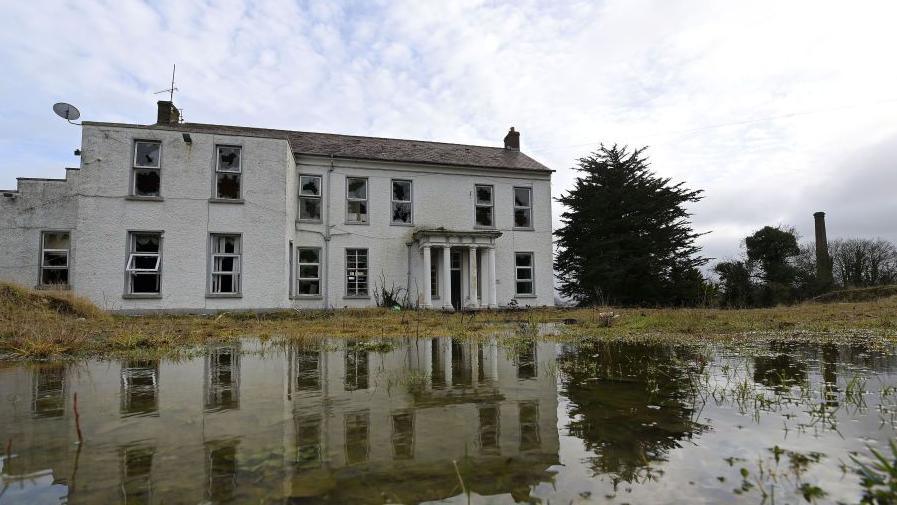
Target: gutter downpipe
column 327, row 304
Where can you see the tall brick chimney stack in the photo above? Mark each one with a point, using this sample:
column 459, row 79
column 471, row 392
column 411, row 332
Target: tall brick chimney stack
column 168, row 113
column 512, row 140
column 823, row 260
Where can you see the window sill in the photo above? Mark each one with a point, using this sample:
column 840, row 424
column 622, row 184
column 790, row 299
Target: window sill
column 525, row 296
column 355, row 223
column 138, row 198
column 308, row 221
column 224, row 295
column 142, row 296
column 53, row 287
column 401, row 224
column 481, row 227
column 226, row 200
column 306, row 297
column 357, row 297
column 524, row 229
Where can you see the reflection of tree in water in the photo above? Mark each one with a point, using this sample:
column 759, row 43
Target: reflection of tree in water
column 615, row 391
column 780, row 370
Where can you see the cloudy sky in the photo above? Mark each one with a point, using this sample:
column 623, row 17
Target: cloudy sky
column 776, row 109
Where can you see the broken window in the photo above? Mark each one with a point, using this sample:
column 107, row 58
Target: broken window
column 139, row 388
column 308, row 441
column 308, row 276
column 356, row 272
column 483, row 206
column 356, row 200
column 401, row 202
column 144, row 268
column 228, row 172
column 226, row 260
column 222, row 386
column 54, row 263
column 358, row 426
column 523, row 207
column 309, row 197
column 528, row 414
column 308, row 371
column 489, row 429
column 523, row 276
column 147, row 168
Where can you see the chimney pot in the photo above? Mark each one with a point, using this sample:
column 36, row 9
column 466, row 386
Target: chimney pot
column 512, row 140
column 167, row 113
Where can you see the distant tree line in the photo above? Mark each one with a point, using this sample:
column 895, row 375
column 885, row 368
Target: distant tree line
column 627, row 239
column 776, row 269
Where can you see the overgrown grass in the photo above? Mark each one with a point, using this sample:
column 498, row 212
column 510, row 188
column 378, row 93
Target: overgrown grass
column 41, row 324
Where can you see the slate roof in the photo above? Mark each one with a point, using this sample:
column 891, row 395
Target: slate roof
column 373, row 148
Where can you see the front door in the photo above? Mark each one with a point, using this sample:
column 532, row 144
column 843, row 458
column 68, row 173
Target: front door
column 456, row 279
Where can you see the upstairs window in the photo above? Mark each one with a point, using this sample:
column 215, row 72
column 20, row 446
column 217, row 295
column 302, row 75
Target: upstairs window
column 146, row 178
column 402, row 208
column 228, row 172
column 144, row 268
column 523, row 274
column 309, row 197
column 309, row 273
column 357, row 272
column 356, row 200
column 483, row 206
column 54, row 258
column 523, row 207
column 226, row 262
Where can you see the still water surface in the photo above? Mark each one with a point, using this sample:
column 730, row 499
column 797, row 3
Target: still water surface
column 448, row 421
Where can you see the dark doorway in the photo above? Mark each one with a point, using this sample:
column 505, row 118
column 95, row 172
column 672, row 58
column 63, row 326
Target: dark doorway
column 456, row 279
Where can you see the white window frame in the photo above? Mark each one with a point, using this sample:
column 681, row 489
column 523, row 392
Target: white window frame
column 527, row 208
column 531, row 268
column 393, row 201
column 44, row 250
column 300, row 278
column 478, row 205
column 135, row 166
column 356, row 293
column 131, row 271
column 349, row 200
column 238, row 172
column 237, row 272
column 319, row 197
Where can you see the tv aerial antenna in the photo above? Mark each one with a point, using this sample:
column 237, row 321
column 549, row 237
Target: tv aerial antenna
column 67, row 111
column 172, row 89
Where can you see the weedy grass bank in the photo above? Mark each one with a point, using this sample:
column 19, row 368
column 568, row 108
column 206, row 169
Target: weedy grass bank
column 42, row 324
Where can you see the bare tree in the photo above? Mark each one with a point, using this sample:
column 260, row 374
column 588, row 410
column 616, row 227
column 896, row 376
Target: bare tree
column 864, row 262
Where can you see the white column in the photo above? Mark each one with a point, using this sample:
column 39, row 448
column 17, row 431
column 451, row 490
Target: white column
column 472, row 271
column 492, row 288
column 428, row 302
column 447, row 277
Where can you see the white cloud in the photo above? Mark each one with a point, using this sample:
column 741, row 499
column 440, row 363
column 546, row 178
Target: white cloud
column 762, row 104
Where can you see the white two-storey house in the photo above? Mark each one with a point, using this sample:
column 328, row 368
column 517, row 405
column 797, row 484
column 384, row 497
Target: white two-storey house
column 198, row 217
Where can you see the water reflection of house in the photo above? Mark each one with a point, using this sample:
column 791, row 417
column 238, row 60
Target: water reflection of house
column 222, row 427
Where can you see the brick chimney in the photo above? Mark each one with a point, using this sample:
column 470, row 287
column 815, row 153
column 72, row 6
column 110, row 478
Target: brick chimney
column 512, row 140
column 823, row 260
column 168, row 113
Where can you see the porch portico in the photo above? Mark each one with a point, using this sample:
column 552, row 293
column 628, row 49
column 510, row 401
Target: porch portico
column 476, row 289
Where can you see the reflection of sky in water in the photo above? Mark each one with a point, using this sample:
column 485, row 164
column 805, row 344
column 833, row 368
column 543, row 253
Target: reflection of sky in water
column 421, row 422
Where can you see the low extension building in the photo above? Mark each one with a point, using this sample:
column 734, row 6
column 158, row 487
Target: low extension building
column 179, row 216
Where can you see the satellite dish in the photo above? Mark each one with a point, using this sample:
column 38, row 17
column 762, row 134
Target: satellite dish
column 66, row 111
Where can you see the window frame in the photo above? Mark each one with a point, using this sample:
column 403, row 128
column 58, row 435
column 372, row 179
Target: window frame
column 68, row 260
column 299, row 278
column 516, row 207
column 238, row 268
column 393, row 201
column 365, row 200
column 367, row 287
column 434, row 276
column 490, row 206
column 531, row 280
column 319, row 197
column 218, row 171
column 135, row 167
column 131, row 271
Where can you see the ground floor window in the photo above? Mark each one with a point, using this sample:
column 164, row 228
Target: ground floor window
column 356, row 272
column 523, row 276
column 54, row 258
column 226, row 261
column 144, row 268
column 308, row 281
